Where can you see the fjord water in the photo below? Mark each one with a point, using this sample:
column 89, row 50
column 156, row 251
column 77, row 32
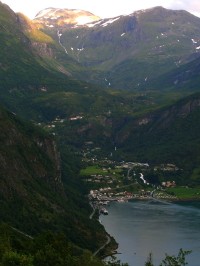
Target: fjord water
column 141, row 227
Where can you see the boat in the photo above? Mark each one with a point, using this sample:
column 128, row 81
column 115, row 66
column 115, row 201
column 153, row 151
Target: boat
column 103, row 211
column 121, row 200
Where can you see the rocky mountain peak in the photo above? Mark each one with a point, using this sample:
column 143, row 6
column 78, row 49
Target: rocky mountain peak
column 55, row 17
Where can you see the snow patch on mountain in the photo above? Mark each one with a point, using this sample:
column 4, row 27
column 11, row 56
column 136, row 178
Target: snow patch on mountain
column 102, row 22
column 60, row 17
column 56, row 17
column 93, row 24
column 77, row 10
column 82, row 20
column 110, row 21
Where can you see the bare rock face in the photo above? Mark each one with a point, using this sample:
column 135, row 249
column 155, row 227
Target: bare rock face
column 27, row 156
column 55, row 17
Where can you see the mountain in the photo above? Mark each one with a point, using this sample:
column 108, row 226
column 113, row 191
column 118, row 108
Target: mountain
column 167, row 135
column 17, row 54
column 25, row 49
column 39, row 92
column 126, row 51
column 185, row 78
column 56, row 17
column 29, row 158
column 136, row 60
column 47, row 73
column 29, row 68
column 39, row 188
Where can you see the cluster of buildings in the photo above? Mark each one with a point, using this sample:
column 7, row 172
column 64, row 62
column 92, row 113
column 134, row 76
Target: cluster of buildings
column 168, row 184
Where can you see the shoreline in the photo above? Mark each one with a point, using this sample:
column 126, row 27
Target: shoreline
column 178, row 200
column 167, row 199
column 117, row 253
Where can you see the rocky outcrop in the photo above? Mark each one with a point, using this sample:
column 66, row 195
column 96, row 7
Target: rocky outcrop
column 50, row 148
column 43, row 49
column 27, row 155
column 163, row 118
column 157, row 121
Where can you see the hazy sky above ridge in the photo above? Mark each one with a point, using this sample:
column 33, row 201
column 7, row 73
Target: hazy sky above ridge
column 102, row 8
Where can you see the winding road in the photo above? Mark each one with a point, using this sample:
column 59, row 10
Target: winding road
column 102, row 247
column 107, row 236
column 94, row 209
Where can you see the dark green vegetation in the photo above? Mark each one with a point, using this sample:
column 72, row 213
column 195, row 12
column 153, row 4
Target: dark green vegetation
column 169, row 135
column 179, row 260
column 39, row 170
column 50, row 249
column 39, row 187
column 46, row 249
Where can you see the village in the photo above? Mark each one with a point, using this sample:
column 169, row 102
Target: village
column 110, row 180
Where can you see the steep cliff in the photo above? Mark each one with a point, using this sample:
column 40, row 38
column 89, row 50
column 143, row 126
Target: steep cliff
column 28, row 159
column 39, row 188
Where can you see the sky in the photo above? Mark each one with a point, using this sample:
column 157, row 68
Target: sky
column 101, row 8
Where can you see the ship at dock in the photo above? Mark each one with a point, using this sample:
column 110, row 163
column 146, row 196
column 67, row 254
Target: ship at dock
column 103, row 211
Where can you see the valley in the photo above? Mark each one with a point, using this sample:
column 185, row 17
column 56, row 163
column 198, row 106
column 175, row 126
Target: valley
column 93, row 111
column 122, row 181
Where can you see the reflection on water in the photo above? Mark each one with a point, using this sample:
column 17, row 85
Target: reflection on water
column 141, row 227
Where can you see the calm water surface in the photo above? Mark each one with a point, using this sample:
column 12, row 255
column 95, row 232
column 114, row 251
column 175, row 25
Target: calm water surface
column 141, row 227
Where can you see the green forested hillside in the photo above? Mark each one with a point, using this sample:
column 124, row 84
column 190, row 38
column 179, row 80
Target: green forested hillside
column 39, row 187
column 47, row 249
column 185, row 79
column 37, row 92
column 39, row 170
column 168, row 135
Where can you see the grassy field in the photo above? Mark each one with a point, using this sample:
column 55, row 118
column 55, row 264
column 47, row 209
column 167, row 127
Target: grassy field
column 185, row 193
column 96, row 170
column 93, row 170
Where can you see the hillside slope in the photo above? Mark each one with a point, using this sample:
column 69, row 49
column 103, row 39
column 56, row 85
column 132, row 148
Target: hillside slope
column 185, row 78
column 126, row 51
column 28, row 160
column 28, row 59
column 37, row 189
column 168, row 135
